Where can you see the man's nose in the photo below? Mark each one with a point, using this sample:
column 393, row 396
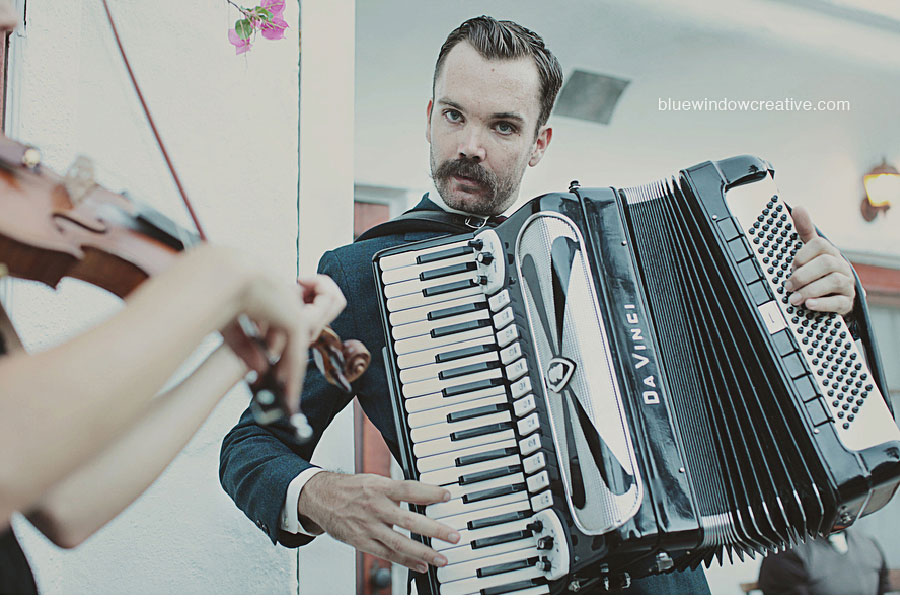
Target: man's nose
column 471, row 145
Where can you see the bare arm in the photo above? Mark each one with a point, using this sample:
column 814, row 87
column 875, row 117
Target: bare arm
column 62, row 407
column 94, row 494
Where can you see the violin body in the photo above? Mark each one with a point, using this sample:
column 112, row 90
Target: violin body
column 68, row 226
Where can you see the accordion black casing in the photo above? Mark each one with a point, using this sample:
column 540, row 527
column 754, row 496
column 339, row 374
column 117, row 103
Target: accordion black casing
column 613, row 384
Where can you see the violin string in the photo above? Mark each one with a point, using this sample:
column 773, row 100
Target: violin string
column 159, row 142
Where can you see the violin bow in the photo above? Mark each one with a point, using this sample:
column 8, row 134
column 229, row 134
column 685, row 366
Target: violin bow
column 266, row 404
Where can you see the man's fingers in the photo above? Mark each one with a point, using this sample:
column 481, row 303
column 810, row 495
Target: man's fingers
column 382, row 551
column 815, row 247
column 830, row 285
column 819, row 267
column 415, row 492
column 836, row 304
column 416, row 523
column 405, row 547
column 803, row 223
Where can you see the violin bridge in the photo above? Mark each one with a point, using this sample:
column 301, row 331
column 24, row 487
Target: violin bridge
column 79, row 179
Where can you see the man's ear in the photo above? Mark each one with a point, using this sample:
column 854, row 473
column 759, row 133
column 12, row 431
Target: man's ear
column 428, row 121
column 540, row 145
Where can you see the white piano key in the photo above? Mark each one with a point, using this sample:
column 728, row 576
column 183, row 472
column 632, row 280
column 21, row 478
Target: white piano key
column 457, row 507
column 438, row 400
column 433, row 370
column 452, row 474
column 439, row 415
column 430, row 448
column 432, row 386
column 538, row 590
column 461, row 554
column 441, row 431
column 405, row 288
column 420, row 313
column 447, row 460
column 458, row 491
column 412, row 272
column 469, row 568
column 461, row 522
column 417, row 300
column 426, row 342
column 426, row 327
column 476, row 584
column 466, row 536
column 429, row 356
column 401, row 259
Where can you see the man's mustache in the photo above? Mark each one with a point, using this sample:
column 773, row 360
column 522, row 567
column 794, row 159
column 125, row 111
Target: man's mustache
column 469, row 169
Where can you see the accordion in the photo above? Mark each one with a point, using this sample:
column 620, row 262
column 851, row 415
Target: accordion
column 613, row 384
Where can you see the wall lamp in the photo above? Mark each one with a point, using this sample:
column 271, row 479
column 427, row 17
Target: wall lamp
column 882, row 185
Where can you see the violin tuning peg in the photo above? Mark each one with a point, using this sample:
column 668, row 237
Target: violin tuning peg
column 79, row 179
column 31, row 157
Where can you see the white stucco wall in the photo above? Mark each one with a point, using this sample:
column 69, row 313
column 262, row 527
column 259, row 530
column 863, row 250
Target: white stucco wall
column 230, row 124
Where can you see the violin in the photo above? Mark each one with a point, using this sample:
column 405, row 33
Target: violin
column 56, row 226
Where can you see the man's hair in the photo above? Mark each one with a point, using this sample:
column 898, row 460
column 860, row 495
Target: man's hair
column 507, row 40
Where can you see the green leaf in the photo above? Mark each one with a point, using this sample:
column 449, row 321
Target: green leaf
column 243, row 28
column 263, row 13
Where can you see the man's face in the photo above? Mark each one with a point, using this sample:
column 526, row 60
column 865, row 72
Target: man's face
column 481, row 127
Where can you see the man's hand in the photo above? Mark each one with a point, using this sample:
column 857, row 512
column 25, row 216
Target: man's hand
column 361, row 510
column 821, row 278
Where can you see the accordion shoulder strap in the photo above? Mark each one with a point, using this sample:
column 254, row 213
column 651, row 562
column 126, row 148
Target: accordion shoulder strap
column 424, row 221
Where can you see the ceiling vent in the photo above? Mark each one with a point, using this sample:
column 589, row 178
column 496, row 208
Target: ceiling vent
column 590, row 96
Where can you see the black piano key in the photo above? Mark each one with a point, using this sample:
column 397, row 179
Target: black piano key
column 503, row 490
column 446, row 288
column 480, row 411
column 455, row 390
column 447, row 271
column 459, row 327
column 503, row 538
column 468, row 434
column 471, row 459
column 469, row 369
column 512, row 587
column 442, row 254
column 456, row 310
column 464, row 353
column 498, row 519
column 506, row 567
column 489, row 474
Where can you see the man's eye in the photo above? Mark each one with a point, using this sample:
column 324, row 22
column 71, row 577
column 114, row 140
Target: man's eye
column 505, row 128
column 454, row 116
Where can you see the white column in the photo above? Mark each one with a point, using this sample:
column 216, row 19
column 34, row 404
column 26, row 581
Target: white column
column 326, row 221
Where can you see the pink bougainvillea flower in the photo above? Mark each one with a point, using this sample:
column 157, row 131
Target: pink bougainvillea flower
column 274, row 29
column 276, row 7
column 240, row 46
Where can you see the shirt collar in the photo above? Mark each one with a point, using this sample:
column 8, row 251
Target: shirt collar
column 435, row 197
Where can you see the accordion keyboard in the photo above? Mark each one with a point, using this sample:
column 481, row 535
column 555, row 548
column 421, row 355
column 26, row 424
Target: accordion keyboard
column 853, row 404
column 470, row 415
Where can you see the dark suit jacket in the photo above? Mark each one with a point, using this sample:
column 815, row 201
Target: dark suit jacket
column 258, row 463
